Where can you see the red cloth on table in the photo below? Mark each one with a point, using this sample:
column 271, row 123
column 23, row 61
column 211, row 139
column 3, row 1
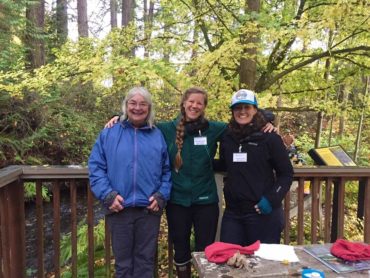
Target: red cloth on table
column 350, row 251
column 220, row 252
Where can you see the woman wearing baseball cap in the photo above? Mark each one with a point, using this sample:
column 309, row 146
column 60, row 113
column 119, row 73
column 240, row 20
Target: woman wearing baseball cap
column 259, row 175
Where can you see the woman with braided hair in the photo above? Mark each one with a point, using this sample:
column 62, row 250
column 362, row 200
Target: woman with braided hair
column 192, row 143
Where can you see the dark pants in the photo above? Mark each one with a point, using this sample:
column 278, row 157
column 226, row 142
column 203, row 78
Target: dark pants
column 134, row 241
column 247, row 228
column 180, row 220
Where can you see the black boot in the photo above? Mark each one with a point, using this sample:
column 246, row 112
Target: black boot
column 184, row 271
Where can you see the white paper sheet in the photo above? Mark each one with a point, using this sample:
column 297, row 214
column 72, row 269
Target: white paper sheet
column 277, row 252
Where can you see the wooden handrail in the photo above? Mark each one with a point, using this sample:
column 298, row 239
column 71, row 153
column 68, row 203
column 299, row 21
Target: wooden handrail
column 331, row 171
column 10, row 174
column 14, row 172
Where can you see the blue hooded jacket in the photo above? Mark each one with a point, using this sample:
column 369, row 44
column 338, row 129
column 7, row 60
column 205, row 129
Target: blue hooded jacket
column 131, row 161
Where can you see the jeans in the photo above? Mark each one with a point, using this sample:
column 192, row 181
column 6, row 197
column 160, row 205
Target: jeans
column 134, row 241
column 245, row 229
column 180, row 221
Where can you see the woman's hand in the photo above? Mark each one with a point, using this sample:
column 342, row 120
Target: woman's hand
column 117, row 204
column 153, row 204
column 269, row 127
column 111, row 122
column 263, row 206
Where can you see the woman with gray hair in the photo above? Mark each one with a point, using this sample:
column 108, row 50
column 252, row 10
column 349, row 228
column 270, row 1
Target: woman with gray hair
column 129, row 173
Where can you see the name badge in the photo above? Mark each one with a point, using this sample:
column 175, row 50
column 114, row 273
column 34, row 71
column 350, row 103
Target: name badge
column 239, row 157
column 202, row 140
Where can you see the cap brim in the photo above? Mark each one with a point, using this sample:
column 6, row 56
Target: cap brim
column 244, row 102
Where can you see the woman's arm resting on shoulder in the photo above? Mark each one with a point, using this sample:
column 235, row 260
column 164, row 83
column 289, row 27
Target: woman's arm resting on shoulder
column 111, row 122
column 269, row 127
column 269, row 117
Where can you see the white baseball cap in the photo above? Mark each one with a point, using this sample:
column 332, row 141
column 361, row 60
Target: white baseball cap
column 244, row 96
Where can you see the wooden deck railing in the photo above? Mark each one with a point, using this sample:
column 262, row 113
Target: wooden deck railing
column 330, row 180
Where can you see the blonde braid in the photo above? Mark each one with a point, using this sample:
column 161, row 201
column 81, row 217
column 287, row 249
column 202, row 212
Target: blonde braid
column 180, row 128
column 180, row 131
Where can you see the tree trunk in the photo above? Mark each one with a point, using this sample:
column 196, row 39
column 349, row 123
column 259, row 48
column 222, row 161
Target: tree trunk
column 35, row 14
column 248, row 63
column 127, row 12
column 148, row 24
column 62, row 21
column 128, row 8
column 343, row 98
column 320, row 116
column 113, row 14
column 330, row 130
column 166, row 50
column 5, row 29
column 361, row 121
column 82, row 21
column 279, row 104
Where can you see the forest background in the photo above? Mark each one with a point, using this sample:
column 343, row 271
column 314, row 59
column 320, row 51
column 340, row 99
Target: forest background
column 307, row 60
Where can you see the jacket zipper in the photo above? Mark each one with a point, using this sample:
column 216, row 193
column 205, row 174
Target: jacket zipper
column 206, row 148
column 135, row 167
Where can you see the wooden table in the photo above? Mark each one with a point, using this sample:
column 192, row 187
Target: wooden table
column 267, row 268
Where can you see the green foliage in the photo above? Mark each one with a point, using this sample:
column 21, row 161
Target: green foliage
column 82, row 251
column 53, row 114
column 12, row 23
column 30, row 192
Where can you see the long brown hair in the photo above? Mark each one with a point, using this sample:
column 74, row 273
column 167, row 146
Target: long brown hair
column 180, row 128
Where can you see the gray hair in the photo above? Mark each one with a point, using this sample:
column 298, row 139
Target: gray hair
column 148, row 98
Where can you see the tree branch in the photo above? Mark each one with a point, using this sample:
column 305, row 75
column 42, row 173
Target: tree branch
column 268, row 82
column 353, row 62
column 279, row 52
column 232, row 14
column 219, row 18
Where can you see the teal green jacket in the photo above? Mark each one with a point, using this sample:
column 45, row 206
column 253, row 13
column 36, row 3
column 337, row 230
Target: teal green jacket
column 195, row 182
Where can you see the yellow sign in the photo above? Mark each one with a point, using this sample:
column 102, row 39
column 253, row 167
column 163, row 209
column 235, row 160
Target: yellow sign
column 328, row 157
column 332, row 156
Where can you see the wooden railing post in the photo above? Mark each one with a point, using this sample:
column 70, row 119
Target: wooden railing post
column 90, row 230
column 40, row 230
column 56, row 228
column 4, row 246
column 315, row 209
column 287, row 218
column 340, row 208
column 13, row 263
column 107, row 246
column 300, row 215
column 328, row 199
column 73, row 200
column 367, row 212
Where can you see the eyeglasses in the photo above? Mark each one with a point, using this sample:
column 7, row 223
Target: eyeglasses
column 140, row 104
